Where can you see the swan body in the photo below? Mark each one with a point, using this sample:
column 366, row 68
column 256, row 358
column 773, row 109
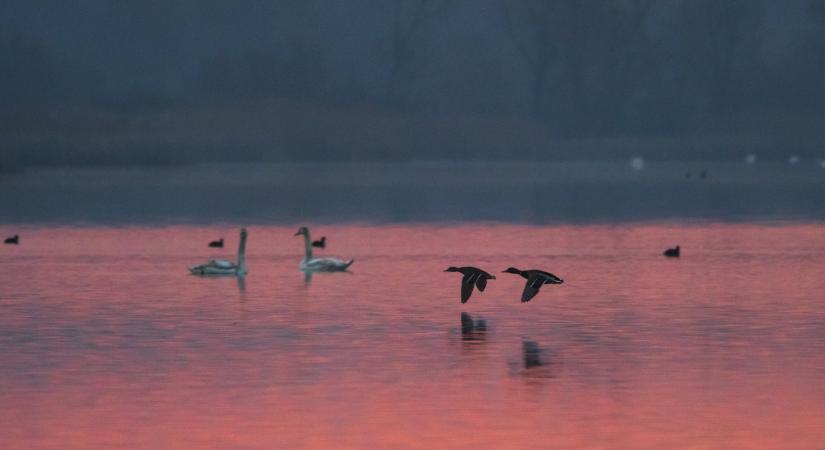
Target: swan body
column 535, row 279
column 312, row 264
column 218, row 267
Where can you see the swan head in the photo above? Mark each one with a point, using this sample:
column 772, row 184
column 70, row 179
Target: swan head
column 302, row 231
column 512, row 270
column 452, row 269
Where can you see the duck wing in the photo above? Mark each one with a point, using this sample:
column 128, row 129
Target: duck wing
column 467, row 283
column 549, row 278
column 481, row 283
column 532, row 287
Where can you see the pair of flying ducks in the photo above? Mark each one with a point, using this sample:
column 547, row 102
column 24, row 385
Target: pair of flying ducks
column 475, row 277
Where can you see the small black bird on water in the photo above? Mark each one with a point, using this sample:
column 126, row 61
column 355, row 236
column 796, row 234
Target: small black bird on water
column 320, row 243
column 672, row 252
column 535, row 279
column 472, row 277
column 217, row 244
column 12, row 240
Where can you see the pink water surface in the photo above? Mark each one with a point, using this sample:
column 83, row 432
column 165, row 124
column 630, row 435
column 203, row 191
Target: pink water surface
column 106, row 341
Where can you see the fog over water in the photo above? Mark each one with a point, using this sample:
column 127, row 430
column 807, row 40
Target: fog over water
column 544, row 193
column 94, row 83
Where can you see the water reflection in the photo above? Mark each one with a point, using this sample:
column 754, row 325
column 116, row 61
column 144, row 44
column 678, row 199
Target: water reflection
column 472, row 330
column 308, row 274
column 97, row 334
column 536, row 362
column 241, row 279
column 531, row 353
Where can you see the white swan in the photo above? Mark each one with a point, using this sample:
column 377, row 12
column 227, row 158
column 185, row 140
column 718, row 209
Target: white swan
column 310, row 264
column 222, row 267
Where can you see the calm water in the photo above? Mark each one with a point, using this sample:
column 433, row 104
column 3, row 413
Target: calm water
column 536, row 193
column 107, row 342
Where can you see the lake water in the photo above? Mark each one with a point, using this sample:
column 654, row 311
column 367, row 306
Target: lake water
column 541, row 193
column 106, row 341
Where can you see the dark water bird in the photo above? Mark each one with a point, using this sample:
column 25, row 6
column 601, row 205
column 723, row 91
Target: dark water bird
column 12, row 240
column 320, row 243
column 217, row 244
column 535, row 279
column 672, row 252
column 472, row 277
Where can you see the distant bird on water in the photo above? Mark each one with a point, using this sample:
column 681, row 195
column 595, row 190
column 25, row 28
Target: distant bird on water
column 473, row 276
column 217, row 244
column 320, row 243
column 535, row 279
column 672, row 252
column 12, row 240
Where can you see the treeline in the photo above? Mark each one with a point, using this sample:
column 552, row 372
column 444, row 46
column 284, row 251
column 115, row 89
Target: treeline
column 582, row 67
column 572, row 69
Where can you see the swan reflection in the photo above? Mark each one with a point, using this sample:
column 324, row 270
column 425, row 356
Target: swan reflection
column 308, row 274
column 241, row 285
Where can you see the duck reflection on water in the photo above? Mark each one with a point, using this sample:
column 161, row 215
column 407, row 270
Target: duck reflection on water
column 531, row 353
column 536, row 362
column 472, row 330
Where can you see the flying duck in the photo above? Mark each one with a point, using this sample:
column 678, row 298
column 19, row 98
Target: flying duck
column 672, row 252
column 535, row 279
column 12, row 240
column 320, row 243
column 217, row 244
column 473, row 276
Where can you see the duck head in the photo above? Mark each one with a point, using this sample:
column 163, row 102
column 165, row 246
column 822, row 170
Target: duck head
column 512, row 270
column 302, row 231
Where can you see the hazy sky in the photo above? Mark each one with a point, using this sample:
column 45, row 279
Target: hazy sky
column 153, row 82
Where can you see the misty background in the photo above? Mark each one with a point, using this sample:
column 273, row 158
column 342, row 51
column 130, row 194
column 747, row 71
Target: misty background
column 95, row 82
column 406, row 110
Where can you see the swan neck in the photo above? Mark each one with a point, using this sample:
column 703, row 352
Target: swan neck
column 242, row 254
column 307, row 247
